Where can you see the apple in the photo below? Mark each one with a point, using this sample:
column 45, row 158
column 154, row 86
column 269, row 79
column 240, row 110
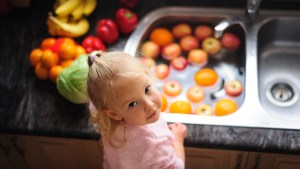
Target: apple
column 195, row 94
column 172, row 88
column 149, row 62
column 211, row 45
column 230, row 41
column 197, row 57
column 179, row 63
column 150, row 49
column 204, row 110
column 233, row 88
column 182, row 29
column 161, row 71
column 188, row 43
column 203, row 31
column 171, row 51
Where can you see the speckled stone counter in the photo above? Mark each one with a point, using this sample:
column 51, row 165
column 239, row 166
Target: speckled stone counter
column 29, row 106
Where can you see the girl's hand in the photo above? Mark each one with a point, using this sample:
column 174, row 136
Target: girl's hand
column 179, row 130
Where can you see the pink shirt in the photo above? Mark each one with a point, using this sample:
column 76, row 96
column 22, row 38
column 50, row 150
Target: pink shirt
column 147, row 147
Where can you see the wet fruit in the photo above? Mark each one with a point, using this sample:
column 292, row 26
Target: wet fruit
column 161, row 36
column 180, row 106
column 206, row 77
column 225, row 107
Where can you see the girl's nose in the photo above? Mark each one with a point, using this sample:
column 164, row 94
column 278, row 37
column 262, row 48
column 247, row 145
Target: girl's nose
column 148, row 104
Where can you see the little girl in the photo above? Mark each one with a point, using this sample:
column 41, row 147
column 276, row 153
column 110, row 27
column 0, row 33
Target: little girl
column 125, row 108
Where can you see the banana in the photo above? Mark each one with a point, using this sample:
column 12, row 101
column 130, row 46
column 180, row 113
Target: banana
column 60, row 28
column 67, row 7
column 90, row 6
column 78, row 12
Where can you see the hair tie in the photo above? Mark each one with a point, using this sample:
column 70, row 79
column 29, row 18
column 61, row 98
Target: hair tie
column 93, row 56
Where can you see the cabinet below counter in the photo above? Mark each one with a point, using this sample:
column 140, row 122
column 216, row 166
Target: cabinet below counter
column 31, row 152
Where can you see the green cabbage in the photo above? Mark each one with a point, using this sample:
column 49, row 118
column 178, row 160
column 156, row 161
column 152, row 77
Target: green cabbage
column 71, row 83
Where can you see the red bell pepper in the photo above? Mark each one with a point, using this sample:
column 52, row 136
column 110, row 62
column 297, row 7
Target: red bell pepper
column 126, row 20
column 91, row 43
column 129, row 3
column 107, row 31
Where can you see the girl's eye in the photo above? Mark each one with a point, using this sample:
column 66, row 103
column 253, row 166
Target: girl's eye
column 147, row 89
column 132, row 104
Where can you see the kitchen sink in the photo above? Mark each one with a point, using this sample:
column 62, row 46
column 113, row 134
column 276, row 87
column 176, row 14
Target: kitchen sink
column 266, row 64
column 278, row 52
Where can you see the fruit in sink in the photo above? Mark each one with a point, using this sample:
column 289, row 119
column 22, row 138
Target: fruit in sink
column 161, row 71
column 180, row 106
column 161, row 36
column 164, row 103
column 182, row 29
column 203, row 31
column 188, row 43
column 204, row 110
column 233, row 88
column 149, row 62
column 197, row 57
column 211, row 45
column 206, row 77
column 179, row 63
column 171, row 51
column 225, row 107
column 230, row 41
column 172, row 88
column 195, row 94
column 150, row 49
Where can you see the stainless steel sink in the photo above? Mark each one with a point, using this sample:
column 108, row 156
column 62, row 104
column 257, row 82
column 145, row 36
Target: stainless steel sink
column 278, row 52
column 269, row 56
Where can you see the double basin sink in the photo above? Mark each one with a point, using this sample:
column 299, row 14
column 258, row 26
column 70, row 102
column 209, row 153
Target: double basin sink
column 268, row 64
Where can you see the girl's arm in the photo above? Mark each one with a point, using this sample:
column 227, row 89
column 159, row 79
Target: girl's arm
column 180, row 131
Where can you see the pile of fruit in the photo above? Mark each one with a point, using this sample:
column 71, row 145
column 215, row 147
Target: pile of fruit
column 69, row 17
column 53, row 55
column 178, row 57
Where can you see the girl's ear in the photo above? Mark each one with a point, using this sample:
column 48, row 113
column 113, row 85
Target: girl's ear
column 112, row 115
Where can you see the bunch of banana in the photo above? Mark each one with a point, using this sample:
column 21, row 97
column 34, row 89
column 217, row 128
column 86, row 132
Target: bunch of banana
column 70, row 17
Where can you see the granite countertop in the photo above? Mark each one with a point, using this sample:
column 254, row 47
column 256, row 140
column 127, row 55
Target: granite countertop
column 29, row 106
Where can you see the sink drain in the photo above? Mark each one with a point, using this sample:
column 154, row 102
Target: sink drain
column 282, row 94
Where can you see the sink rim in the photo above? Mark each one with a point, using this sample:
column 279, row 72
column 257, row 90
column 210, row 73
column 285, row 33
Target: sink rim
column 251, row 113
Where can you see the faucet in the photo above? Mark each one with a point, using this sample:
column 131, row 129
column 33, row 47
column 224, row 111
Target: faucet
column 251, row 14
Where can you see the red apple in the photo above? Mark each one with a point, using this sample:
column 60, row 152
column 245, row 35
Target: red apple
column 171, row 51
column 211, row 45
column 149, row 62
column 204, row 110
column 233, row 88
column 179, row 63
column 150, row 49
column 197, row 57
column 172, row 88
column 162, row 71
column 230, row 41
column 195, row 94
column 203, row 31
column 188, row 43
column 180, row 30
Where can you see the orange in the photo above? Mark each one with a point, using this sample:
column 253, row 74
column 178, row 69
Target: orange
column 35, row 56
column 47, row 43
column 67, row 49
column 41, row 72
column 161, row 36
column 54, row 72
column 206, row 77
column 66, row 63
column 224, row 107
column 164, row 103
column 79, row 50
column 181, row 106
column 49, row 58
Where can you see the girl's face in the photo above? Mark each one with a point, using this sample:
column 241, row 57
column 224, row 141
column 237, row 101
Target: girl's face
column 138, row 101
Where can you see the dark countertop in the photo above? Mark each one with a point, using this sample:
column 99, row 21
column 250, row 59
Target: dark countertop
column 29, row 106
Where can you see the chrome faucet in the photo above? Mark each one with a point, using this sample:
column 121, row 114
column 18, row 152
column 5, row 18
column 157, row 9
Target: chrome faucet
column 251, row 14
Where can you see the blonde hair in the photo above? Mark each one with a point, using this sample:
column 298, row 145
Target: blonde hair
column 104, row 77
